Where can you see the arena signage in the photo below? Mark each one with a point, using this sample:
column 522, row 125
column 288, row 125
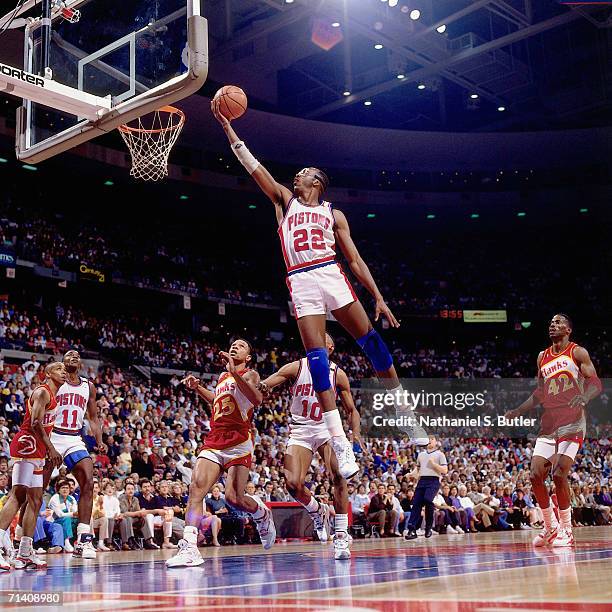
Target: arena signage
column 485, row 316
column 89, row 273
column 7, row 258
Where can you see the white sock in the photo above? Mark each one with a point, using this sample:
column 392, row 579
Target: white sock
column 18, row 532
column 190, row 534
column 82, row 528
column 261, row 509
column 341, row 523
column 167, row 529
column 334, row 423
column 313, row 505
column 566, row 518
column 25, row 546
column 550, row 519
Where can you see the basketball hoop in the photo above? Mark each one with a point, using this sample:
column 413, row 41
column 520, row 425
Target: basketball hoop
column 150, row 141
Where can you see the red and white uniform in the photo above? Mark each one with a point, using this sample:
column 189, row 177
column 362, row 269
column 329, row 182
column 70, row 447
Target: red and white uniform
column 229, row 441
column 314, row 277
column 307, row 426
column 72, row 402
column 563, row 427
column 27, row 447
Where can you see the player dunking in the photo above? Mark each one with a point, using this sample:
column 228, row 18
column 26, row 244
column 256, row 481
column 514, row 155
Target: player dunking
column 29, row 448
column 309, row 229
column 567, row 382
column 228, row 447
column 75, row 398
column 308, row 434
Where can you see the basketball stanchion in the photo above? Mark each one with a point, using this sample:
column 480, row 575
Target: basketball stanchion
column 150, row 140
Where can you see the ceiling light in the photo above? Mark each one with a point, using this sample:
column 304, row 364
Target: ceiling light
column 474, row 96
column 441, row 29
column 335, row 24
column 378, row 46
column 367, row 103
column 421, row 86
column 346, row 92
column 415, row 14
column 393, row 3
column 501, row 109
column 401, row 76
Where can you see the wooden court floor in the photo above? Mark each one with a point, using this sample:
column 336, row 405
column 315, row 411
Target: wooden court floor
column 455, row 573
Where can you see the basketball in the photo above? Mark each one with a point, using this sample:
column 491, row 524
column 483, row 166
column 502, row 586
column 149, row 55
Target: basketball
column 233, row 101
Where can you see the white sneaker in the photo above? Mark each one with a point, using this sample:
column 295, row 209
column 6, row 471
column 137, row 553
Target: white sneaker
column 31, row 561
column 83, row 548
column 420, row 532
column 546, row 537
column 102, row 547
column 68, row 546
column 346, row 457
column 565, row 537
column 459, row 530
column 266, row 528
column 7, row 544
column 320, row 520
column 188, row 555
column 450, row 529
column 341, row 546
column 5, row 564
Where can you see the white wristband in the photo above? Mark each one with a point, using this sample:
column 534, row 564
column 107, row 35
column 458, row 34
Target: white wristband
column 245, row 157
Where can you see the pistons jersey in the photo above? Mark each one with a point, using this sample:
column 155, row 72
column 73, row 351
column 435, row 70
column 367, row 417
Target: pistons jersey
column 561, row 380
column 305, row 408
column 27, row 444
column 72, row 401
column 232, row 415
column 307, row 236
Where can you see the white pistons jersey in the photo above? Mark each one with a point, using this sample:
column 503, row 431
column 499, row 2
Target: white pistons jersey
column 305, row 408
column 307, row 235
column 71, row 406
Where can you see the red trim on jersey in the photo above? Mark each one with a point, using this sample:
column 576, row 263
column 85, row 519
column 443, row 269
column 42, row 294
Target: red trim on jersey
column 297, row 377
column 282, row 241
column 75, row 384
column 307, row 264
column 347, row 282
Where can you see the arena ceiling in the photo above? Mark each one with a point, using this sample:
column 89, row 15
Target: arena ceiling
column 548, row 66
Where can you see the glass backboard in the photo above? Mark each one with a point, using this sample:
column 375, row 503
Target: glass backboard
column 144, row 54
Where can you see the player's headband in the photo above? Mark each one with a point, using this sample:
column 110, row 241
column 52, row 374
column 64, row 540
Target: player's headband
column 319, row 175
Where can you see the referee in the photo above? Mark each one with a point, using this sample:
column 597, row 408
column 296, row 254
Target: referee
column 431, row 464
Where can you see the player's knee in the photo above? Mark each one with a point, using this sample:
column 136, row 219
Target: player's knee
column 560, row 471
column 318, row 363
column 293, row 485
column 376, row 350
column 232, row 498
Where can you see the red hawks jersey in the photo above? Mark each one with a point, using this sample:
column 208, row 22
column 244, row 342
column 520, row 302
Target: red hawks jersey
column 305, row 408
column 232, row 415
column 307, row 235
column 561, row 381
column 72, row 402
column 27, row 444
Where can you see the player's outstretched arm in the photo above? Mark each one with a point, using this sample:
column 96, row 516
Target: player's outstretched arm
column 346, row 398
column 92, row 417
column 277, row 193
column 359, row 267
column 592, row 384
column 38, row 402
column 288, row 372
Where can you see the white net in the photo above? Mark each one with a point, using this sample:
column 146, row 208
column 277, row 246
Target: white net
column 150, row 139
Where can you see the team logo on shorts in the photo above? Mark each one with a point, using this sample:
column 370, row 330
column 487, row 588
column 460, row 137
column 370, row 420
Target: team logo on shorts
column 27, row 445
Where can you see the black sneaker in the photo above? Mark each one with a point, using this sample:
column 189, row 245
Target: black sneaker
column 428, row 533
column 411, row 535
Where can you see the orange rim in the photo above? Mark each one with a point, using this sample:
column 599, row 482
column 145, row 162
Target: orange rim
column 164, row 109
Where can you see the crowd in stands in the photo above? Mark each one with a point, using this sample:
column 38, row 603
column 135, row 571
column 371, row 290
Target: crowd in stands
column 153, row 431
column 445, row 275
